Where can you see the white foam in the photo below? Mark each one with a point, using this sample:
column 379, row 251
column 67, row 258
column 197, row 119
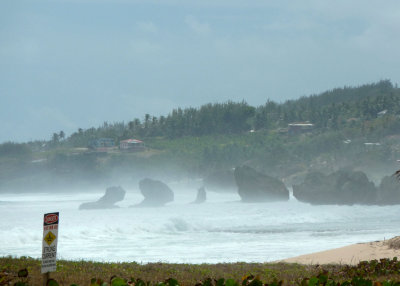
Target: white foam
column 220, row 230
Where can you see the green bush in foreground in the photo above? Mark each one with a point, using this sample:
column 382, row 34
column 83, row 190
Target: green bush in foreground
column 322, row 279
column 384, row 272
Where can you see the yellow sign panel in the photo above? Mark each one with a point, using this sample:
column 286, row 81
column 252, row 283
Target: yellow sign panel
column 49, row 238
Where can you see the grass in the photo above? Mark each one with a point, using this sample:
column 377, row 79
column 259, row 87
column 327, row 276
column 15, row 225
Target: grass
column 81, row 272
column 394, row 243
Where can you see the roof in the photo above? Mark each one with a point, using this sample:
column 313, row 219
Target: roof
column 131, row 141
column 372, row 144
column 301, row 124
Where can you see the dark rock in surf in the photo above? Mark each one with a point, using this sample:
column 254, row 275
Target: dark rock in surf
column 113, row 195
column 342, row 187
column 254, row 187
column 201, row 196
column 389, row 191
column 156, row 193
column 220, row 181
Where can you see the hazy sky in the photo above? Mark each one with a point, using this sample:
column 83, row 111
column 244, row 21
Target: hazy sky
column 69, row 64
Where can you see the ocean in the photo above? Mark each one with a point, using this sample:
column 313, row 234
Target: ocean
column 222, row 229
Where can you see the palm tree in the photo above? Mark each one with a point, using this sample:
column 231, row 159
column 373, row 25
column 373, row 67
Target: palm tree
column 61, row 135
column 55, row 138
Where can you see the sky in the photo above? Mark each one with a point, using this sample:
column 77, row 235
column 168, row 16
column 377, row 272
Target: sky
column 69, row 64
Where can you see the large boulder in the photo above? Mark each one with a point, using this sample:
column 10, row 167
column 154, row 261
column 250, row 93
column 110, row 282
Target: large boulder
column 343, row 187
column 255, row 187
column 220, row 181
column 113, row 195
column 201, row 196
column 389, row 191
column 156, row 193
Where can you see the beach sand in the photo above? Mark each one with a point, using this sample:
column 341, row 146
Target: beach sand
column 351, row 254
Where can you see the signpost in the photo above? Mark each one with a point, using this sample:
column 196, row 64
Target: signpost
column 49, row 243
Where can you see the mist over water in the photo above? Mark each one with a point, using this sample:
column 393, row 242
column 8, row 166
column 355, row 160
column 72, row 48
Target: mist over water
column 221, row 230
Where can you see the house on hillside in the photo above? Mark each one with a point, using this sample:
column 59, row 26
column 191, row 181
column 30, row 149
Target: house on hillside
column 382, row 113
column 102, row 144
column 299, row 128
column 132, row 145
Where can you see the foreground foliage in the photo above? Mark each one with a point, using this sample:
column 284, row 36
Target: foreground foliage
column 384, row 272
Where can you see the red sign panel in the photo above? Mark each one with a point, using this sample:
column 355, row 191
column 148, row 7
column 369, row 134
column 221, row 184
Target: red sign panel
column 51, row 218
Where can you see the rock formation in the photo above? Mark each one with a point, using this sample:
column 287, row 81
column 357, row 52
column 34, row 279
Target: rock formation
column 113, row 194
column 342, row 187
column 256, row 187
column 201, row 196
column 156, row 193
column 221, row 181
column 389, row 191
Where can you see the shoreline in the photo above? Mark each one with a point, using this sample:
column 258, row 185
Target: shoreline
column 347, row 255
column 351, row 254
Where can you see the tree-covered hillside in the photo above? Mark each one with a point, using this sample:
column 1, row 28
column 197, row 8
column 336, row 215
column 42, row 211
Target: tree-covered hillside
column 353, row 127
column 335, row 109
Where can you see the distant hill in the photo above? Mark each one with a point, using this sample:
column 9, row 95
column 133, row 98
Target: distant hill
column 329, row 109
column 350, row 127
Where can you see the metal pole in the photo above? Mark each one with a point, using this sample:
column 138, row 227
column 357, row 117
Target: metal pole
column 46, row 277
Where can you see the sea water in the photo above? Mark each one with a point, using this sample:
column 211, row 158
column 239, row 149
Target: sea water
column 222, row 229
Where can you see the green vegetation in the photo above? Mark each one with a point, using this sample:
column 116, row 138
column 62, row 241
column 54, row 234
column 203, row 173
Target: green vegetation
column 383, row 272
column 194, row 142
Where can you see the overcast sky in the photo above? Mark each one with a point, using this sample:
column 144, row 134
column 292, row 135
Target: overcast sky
column 69, row 64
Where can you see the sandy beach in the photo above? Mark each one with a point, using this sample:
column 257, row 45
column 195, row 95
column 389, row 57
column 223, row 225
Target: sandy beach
column 351, row 254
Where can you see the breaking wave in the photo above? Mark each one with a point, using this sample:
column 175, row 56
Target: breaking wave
column 213, row 232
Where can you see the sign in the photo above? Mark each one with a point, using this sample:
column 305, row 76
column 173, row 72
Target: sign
column 49, row 243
